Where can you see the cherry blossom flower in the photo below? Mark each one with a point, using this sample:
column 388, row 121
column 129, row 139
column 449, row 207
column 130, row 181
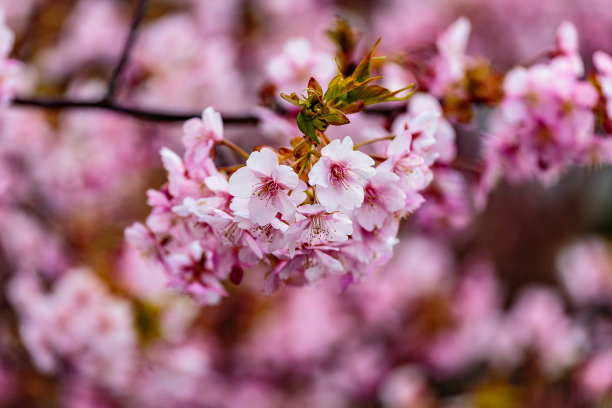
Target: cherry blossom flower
column 450, row 65
column 311, row 264
column 383, row 197
column 585, row 269
column 208, row 129
column 596, row 376
column 413, row 171
column 266, row 184
column 545, row 122
column 340, row 175
column 299, row 61
column 10, row 69
column 315, row 226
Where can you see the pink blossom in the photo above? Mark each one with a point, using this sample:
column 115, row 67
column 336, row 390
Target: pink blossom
column 80, row 322
column 93, row 32
column 191, row 272
column 10, row 70
column 603, row 63
column 340, row 175
column 412, row 169
column 418, row 129
column 596, row 376
column 404, row 387
column 443, row 149
column 538, row 322
column 266, row 184
column 311, row 264
column 445, row 202
column 585, row 269
column 298, row 61
column 207, row 130
column 367, row 251
column 314, row 226
column 450, row 65
column 138, row 236
column 568, row 55
column 383, row 197
column 545, row 123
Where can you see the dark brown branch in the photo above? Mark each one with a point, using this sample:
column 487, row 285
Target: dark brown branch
column 145, row 114
column 139, row 13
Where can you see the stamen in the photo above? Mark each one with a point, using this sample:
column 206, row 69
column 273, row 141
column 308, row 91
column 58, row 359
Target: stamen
column 338, row 174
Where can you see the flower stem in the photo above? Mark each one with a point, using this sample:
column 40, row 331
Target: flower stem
column 235, row 148
column 301, row 159
column 378, row 157
column 230, row 169
column 303, row 166
column 378, row 139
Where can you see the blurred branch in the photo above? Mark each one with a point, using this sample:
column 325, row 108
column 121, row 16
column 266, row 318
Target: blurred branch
column 141, row 10
column 151, row 114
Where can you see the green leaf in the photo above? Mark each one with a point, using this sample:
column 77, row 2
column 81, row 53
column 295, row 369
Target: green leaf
column 314, row 84
column 373, row 94
column 293, row 99
column 354, row 107
column 335, row 117
column 306, row 126
column 362, row 72
column 339, row 86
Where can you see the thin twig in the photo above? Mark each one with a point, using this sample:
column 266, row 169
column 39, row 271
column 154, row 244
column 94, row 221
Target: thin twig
column 139, row 13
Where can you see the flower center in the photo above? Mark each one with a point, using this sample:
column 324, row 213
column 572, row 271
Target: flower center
column 338, row 174
column 267, row 188
column 370, row 195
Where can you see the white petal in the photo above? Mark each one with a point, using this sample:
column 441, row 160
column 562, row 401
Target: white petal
column 287, row 177
column 264, row 161
column 330, row 197
column 242, row 182
column 217, row 184
column 171, row 161
column 261, row 211
column 319, row 173
column 286, row 206
column 352, row 196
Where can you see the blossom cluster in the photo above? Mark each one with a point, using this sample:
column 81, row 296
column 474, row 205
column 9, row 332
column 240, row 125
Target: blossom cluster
column 546, row 120
column 316, row 212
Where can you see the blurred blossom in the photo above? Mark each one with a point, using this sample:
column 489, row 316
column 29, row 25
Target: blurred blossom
column 596, row 378
column 404, row 386
column 79, row 324
column 439, row 251
column 537, row 322
column 585, row 269
column 94, row 33
column 476, row 310
column 298, row 62
column 172, row 49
